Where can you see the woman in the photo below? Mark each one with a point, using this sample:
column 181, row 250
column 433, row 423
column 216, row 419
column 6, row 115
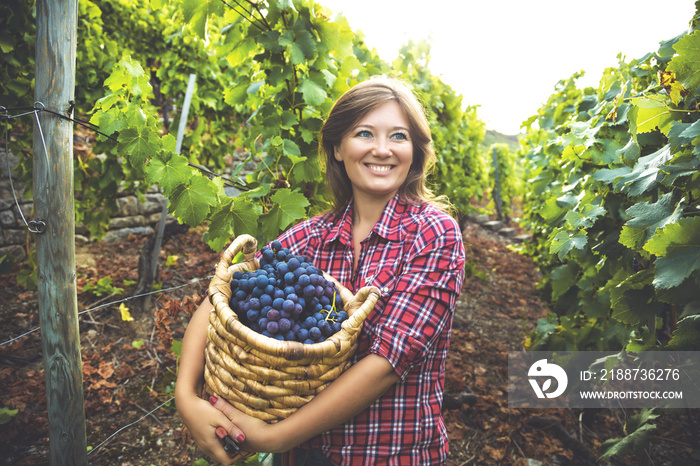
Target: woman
column 388, row 230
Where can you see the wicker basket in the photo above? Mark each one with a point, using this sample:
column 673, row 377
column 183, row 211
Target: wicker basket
column 264, row 377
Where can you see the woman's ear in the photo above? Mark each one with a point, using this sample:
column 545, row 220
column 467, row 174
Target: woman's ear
column 337, row 154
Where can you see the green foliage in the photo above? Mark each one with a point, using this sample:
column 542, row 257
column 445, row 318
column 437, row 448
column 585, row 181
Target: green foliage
column 613, row 205
column 265, row 80
column 280, row 67
column 103, row 286
column 6, row 414
column 639, row 431
column 510, row 175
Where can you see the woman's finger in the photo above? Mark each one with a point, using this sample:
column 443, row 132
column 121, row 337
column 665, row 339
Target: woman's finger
column 229, row 411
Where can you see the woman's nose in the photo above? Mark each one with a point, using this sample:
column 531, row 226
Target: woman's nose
column 381, row 147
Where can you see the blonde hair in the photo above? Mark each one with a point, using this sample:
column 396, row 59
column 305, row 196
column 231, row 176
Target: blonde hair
column 355, row 104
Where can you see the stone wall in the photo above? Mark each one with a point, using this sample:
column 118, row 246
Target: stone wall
column 133, row 217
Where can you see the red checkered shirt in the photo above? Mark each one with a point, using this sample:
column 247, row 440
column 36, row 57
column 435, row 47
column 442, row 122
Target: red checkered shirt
column 415, row 256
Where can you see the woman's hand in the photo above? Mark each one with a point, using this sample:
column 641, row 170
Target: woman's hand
column 258, row 434
column 202, row 419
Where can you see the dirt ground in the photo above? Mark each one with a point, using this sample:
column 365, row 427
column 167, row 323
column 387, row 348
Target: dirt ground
column 128, row 368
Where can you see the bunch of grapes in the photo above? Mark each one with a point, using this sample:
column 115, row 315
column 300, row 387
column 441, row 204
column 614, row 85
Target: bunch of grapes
column 287, row 298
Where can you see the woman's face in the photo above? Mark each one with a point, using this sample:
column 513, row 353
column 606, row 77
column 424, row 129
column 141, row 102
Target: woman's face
column 377, row 152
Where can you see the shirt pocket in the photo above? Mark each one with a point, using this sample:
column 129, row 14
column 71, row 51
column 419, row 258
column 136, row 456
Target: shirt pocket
column 386, row 280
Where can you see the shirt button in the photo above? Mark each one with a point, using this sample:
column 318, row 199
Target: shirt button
column 385, row 289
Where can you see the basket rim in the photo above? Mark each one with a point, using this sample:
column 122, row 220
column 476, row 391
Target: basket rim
column 367, row 296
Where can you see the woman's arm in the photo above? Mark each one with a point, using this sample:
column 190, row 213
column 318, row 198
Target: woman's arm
column 351, row 393
column 197, row 414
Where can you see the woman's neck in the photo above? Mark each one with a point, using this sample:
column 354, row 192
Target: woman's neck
column 366, row 213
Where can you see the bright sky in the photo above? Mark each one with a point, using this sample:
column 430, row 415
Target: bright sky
column 507, row 55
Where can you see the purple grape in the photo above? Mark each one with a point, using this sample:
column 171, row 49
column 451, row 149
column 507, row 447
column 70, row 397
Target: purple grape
column 298, row 309
column 304, row 280
column 252, row 315
column 284, row 325
column 289, row 278
column 282, row 268
column 268, row 254
column 273, row 315
column 314, row 333
column 293, row 263
column 309, row 322
column 302, row 334
column 273, row 327
column 288, row 305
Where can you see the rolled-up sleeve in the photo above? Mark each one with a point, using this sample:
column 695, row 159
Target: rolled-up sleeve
column 419, row 305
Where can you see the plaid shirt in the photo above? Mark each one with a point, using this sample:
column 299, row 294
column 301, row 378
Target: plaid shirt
column 415, row 256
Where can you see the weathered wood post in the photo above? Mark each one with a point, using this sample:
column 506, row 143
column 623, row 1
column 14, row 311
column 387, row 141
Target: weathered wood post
column 56, row 26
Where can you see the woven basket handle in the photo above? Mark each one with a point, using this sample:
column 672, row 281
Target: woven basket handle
column 361, row 305
column 245, row 243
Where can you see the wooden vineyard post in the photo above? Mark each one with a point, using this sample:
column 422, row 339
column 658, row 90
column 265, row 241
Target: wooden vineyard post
column 54, row 225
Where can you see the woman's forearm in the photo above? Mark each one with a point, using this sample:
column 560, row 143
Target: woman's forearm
column 190, row 376
column 350, row 394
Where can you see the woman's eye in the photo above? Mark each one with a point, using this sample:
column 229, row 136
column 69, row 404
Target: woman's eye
column 400, row 136
column 364, row 134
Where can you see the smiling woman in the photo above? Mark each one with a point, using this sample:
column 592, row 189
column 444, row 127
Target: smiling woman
column 387, row 230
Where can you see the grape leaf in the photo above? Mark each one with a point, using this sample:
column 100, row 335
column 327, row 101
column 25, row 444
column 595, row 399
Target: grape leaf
column 646, row 218
column 677, row 247
column 634, row 442
column 139, row 143
column 564, row 242
column 632, row 299
column 630, row 153
column 584, row 218
column 312, row 92
column 288, row 207
column 563, row 278
column 686, row 336
column 652, row 114
column 233, row 218
column 191, row 203
column 639, row 179
column 109, row 122
column 676, row 136
column 686, row 64
column 169, row 170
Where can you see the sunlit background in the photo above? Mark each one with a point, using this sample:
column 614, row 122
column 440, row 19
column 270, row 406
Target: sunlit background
column 507, row 55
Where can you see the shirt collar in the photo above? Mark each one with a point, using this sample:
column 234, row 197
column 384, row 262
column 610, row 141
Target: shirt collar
column 388, row 226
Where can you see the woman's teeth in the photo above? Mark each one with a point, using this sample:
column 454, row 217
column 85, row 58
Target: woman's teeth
column 379, row 168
